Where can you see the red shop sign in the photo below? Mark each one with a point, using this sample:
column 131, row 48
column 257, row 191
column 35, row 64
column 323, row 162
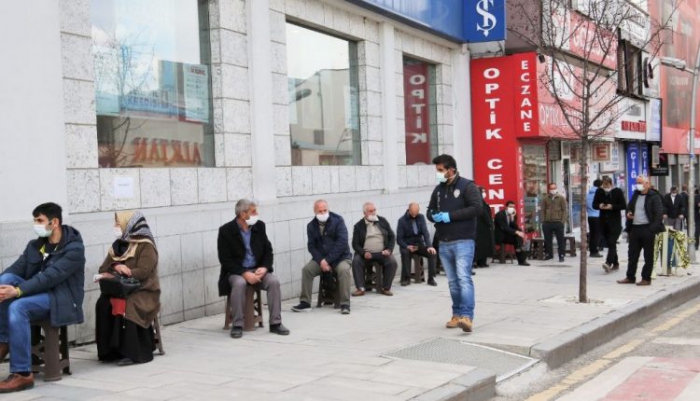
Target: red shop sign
column 417, row 112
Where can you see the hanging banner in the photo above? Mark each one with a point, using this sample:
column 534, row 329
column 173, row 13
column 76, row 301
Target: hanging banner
column 632, row 167
column 417, row 112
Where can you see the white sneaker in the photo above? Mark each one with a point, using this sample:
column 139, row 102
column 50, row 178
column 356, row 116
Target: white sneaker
column 607, row 267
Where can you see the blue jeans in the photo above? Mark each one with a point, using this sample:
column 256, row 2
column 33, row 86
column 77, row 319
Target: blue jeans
column 456, row 258
column 15, row 318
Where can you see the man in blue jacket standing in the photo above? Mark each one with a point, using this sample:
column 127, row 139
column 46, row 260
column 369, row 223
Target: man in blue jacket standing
column 454, row 207
column 328, row 246
column 45, row 283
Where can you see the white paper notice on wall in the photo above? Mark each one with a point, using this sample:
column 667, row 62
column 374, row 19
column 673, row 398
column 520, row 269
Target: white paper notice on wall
column 123, row 187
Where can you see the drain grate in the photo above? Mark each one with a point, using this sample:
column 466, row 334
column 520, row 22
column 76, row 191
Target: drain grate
column 504, row 364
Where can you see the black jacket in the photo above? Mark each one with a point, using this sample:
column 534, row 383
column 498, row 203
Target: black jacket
column 359, row 233
column 463, row 201
column 674, row 209
column 505, row 231
column 654, row 209
column 484, row 233
column 405, row 235
column 231, row 249
column 333, row 244
column 61, row 275
column 616, row 198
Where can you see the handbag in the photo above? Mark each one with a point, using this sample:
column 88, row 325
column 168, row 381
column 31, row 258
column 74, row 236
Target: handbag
column 119, row 286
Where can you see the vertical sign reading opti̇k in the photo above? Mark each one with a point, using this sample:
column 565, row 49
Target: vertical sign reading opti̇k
column 417, row 112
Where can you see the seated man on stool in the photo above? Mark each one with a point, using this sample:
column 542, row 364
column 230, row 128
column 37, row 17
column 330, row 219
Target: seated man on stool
column 45, row 283
column 328, row 246
column 413, row 238
column 508, row 232
column 373, row 241
column 245, row 255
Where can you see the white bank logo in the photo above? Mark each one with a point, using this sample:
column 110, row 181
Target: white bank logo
column 488, row 20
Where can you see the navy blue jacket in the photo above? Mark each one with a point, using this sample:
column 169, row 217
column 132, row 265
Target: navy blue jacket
column 463, row 201
column 405, row 235
column 61, row 274
column 333, row 244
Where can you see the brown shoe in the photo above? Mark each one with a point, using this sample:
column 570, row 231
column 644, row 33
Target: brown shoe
column 625, row 281
column 15, row 382
column 452, row 324
column 386, row 292
column 4, row 350
column 644, row 282
column 358, row 293
column 465, row 324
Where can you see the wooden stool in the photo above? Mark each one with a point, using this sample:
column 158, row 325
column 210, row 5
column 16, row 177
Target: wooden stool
column 504, row 252
column 537, row 248
column 50, row 351
column 373, row 279
column 417, row 268
column 571, row 240
column 326, row 295
column 157, row 336
column 252, row 311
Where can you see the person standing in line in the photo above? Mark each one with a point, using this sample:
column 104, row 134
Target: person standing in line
column 454, row 207
column 610, row 202
column 644, row 221
column 554, row 213
column 484, row 233
column 593, row 221
column 675, row 207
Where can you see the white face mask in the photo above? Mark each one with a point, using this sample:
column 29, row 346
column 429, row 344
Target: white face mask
column 252, row 220
column 553, row 191
column 323, row 217
column 639, row 187
column 441, row 177
column 117, row 232
column 372, row 217
column 607, row 189
column 511, row 210
column 42, row 231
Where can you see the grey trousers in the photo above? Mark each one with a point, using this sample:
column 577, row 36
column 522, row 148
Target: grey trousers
column 269, row 283
column 313, row 269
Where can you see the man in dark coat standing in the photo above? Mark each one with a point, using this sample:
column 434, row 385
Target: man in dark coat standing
column 484, row 234
column 246, row 258
column 675, row 208
column 611, row 202
column 414, row 239
column 45, row 283
column 508, row 232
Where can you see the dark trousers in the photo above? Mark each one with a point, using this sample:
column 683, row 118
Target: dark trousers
column 641, row 237
column 406, row 262
column 556, row 228
column 697, row 231
column 388, row 264
column 594, row 234
column 611, row 231
column 517, row 243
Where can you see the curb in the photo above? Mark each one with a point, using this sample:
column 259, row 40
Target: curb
column 477, row 385
column 567, row 346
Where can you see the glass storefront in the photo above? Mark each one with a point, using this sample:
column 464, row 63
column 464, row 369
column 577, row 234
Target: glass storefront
column 420, row 111
column 324, row 118
column 152, row 83
column 534, row 185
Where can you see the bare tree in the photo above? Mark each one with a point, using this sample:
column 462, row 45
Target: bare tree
column 584, row 71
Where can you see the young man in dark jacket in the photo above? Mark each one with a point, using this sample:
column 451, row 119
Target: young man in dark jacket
column 45, row 283
column 328, row 246
column 611, row 202
column 373, row 240
column 508, row 232
column 414, row 239
column 246, row 258
column 675, row 208
column 644, row 220
column 455, row 204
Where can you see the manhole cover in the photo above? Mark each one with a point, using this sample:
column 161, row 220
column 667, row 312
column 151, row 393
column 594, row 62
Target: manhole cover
column 442, row 350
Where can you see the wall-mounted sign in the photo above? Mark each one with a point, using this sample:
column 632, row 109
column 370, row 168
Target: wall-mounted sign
column 600, row 152
column 416, row 85
column 655, row 126
column 659, row 163
column 633, row 123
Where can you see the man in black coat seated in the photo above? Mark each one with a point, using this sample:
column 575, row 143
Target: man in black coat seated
column 414, row 239
column 508, row 232
column 246, row 257
column 373, row 240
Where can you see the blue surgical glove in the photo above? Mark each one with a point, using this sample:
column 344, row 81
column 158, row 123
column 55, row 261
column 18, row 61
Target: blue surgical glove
column 445, row 217
column 437, row 217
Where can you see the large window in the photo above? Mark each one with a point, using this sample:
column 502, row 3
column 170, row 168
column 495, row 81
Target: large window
column 420, row 111
column 324, row 116
column 152, row 83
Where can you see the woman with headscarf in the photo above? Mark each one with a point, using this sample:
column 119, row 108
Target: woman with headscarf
column 124, row 327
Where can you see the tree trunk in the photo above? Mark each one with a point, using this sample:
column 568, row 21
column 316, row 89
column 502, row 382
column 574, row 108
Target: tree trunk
column 583, row 162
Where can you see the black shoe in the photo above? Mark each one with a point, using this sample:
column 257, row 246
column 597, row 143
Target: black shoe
column 236, row 332
column 279, row 329
column 125, row 362
column 302, row 307
column 473, row 273
column 548, row 257
column 561, row 259
column 405, row 283
column 596, row 255
column 431, row 281
column 523, row 264
column 344, row 309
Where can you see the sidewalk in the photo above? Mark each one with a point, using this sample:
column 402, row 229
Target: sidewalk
column 525, row 310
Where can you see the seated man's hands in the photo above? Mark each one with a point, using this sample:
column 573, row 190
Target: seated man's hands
column 260, row 272
column 386, row 252
column 325, row 267
column 432, row 251
column 412, row 248
column 368, row 255
column 7, row 292
column 251, row 278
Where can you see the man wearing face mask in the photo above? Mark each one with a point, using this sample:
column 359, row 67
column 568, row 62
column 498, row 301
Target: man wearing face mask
column 45, row 283
column 644, row 221
column 373, row 240
column 455, row 204
column 246, row 258
column 554, row 215
column 414, row 239
column 330, row 254
column 508, row 232
column 675, row 207
column 593, row 221
column 610, row 201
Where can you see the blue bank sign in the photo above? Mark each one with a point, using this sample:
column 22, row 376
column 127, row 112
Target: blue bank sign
column 458, row 20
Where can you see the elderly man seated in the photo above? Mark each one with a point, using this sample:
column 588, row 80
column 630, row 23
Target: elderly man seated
column 373, row 241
